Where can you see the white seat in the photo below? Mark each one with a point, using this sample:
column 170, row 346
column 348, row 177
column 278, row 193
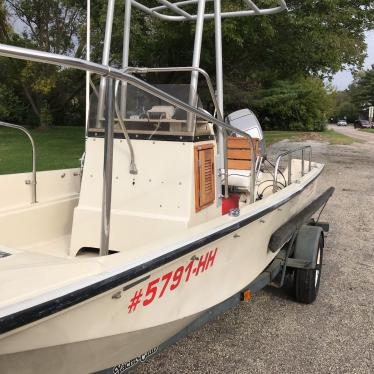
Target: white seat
column 240, row 178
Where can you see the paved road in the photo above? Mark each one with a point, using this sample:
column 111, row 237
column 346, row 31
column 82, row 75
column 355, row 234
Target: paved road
column 353, row 133
column 274, row 334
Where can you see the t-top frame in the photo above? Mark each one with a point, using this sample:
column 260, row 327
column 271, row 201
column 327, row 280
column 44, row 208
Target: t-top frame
column 177, row 13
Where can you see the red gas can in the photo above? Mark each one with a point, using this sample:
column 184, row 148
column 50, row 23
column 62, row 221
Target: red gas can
column 231, row 202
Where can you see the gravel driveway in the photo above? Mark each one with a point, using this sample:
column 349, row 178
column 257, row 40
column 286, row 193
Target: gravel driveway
column 274, row 334
column 353, row 133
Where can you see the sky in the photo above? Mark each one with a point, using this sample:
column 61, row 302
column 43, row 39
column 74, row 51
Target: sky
column 343, row 79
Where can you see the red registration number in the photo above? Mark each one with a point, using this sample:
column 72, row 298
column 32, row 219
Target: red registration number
column 170, row 281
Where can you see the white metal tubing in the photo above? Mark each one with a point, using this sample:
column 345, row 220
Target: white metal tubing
column 310, row 158
column 253, row 6
column 71, row 62
column 196, row 61
column 189, row 2
column 125, row 54
column 107, row 71
column 178, row 4
column 94, row 89
column 88, row 58
column 289, row 179
column 175, row 9
column 241, row 13
column 218, row 45
column 33, row 178
column 105, row 60
column 302, row 163
column 133, row 169
column 289, row 154
column 107, row 170
column 222, row 138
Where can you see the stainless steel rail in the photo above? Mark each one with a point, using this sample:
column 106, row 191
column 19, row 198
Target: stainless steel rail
column 33, row 178
column 289, row 154
column 106, row 206
column 217, row 107
column 108, row 72
column 178, row 14
column 133, row 168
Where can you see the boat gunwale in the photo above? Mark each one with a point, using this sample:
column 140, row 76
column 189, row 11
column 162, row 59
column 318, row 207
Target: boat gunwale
column 10, row 320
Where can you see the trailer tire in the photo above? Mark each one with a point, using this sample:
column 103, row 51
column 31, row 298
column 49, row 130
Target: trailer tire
column 307, row 281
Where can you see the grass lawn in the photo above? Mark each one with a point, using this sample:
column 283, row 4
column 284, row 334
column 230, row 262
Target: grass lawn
column 329, row 136
column 367, row 130
column 62, row 147
column 56, row 148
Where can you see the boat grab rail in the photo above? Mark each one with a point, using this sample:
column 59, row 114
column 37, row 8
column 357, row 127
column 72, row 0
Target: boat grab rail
column 33, row 177
column 145, row 70
column 116, row 74
column 289, row 154
column 133, row 168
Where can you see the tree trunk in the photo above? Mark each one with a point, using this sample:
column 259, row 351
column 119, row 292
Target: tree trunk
column 31, row 100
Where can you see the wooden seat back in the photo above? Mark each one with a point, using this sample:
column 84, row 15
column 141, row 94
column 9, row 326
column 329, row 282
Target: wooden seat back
column 239, row 153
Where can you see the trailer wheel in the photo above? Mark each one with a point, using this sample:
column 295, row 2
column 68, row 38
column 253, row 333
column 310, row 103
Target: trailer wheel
column 306, row 281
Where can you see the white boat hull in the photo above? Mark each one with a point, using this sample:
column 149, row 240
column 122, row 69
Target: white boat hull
column 116, row 326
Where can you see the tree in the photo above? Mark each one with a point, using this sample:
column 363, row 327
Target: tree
column 293, row 105
column 52, row 26
column 343, row 106
column 315, row 38
column 11, row 107
column 362, row 89
column 4, row 26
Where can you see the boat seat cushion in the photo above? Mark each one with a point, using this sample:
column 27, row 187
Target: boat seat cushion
column 240, row 178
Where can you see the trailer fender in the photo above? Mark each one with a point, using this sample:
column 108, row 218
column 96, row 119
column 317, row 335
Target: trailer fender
column 306, row 246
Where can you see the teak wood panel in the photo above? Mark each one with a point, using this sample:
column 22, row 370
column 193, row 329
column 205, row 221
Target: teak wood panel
column 204, row 176
column 239, row 164
column 239, row 153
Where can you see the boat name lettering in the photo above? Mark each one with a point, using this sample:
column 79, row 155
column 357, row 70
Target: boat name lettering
column 158, row 287
column 121, row 368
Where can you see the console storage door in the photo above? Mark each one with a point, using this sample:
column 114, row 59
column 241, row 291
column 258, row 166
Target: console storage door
column 204, row 176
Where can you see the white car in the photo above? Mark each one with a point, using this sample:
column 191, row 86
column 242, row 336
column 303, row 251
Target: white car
column 342, row 122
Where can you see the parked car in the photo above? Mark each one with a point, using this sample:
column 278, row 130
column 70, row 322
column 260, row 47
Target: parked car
column 342, row 122
column 362, row 124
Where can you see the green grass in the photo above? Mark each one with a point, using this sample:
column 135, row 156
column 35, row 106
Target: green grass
column 61, row 147
column 272, row 137
column 329, row 136
column 368, row 130
column 57, row 148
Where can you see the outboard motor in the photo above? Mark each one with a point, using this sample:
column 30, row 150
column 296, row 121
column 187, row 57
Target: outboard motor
column 245, row 120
